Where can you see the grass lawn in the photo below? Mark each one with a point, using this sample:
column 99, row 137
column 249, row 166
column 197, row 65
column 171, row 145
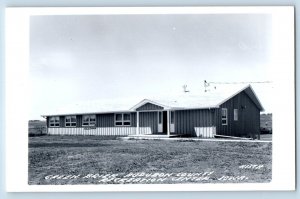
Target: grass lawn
column 106, row 160
column 266, row 137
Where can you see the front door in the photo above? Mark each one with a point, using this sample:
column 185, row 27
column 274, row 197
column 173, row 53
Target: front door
column 165, row 122
column 162, row 122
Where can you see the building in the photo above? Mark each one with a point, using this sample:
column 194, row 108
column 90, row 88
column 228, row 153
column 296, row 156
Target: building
column 229, row 113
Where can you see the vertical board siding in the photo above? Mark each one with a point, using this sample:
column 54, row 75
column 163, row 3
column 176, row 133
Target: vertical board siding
column 61, row 121
column 102, row 120
column 105, row 120
column 108, row 120
column 196, row 122
column 101, row 131
column 148, row 120
column 190, row 122
column 247, row 124
column 79, row 120
column 149, row 106
column 133, row 119
column 105, row 125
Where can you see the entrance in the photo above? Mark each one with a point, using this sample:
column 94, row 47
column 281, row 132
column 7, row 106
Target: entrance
column 165, row 122
column 162, row 118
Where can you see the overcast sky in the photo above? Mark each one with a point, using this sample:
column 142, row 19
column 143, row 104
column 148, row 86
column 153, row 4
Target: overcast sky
column 78, row 58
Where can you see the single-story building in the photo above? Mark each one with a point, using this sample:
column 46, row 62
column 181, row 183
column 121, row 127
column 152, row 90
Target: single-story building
column 235, row 113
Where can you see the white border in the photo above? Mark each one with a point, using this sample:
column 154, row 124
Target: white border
column 17, row 59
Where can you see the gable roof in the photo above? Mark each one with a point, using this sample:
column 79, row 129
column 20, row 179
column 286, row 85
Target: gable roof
column 211, row 99
column 251, row 94
column 94, row 106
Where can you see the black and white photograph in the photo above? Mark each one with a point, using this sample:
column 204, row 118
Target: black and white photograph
column 156, row 97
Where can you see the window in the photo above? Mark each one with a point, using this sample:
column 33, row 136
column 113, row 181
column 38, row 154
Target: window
column 89, row 120
column 54, row 121
column 235, row 114
column 126, row 119
column 70, row 121
column 122, row 119
column 118, row 119
column 224, row 116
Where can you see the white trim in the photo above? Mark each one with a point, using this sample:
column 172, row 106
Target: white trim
column 235, row 114
column 262, row 108
column 231, row 96
column 122, row 120
column 89, row 113
column 54, row 121
column 145, row 101
column 205, row 132
column 249, row 86
column 132, row 111
column 70, row 121
column 102, row 131
column 89, row 122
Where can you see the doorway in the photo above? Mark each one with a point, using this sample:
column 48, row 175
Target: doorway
column 162, row 119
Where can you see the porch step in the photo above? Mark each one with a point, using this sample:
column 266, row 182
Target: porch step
column 154, row 136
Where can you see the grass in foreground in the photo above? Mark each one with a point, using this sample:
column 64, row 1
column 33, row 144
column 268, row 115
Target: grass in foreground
column 59, row 159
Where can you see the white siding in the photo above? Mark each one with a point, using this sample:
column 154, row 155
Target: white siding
column 102, row 131
column 205, row 132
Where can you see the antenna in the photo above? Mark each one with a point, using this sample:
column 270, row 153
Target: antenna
column 258, row 82
column 206, row 85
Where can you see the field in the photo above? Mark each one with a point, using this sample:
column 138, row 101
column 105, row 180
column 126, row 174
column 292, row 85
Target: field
column 37, row 128
column 266, row 123
column 266, row 137
column 107, row 160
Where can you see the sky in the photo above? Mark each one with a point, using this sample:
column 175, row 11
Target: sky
column 91, row 57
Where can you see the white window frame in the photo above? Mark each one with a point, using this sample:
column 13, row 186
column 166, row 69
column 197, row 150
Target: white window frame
column 71, row 124
column 235, row 114
column 225, row 118
column 89, row 122
column 122, row 121
column 53, row 122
